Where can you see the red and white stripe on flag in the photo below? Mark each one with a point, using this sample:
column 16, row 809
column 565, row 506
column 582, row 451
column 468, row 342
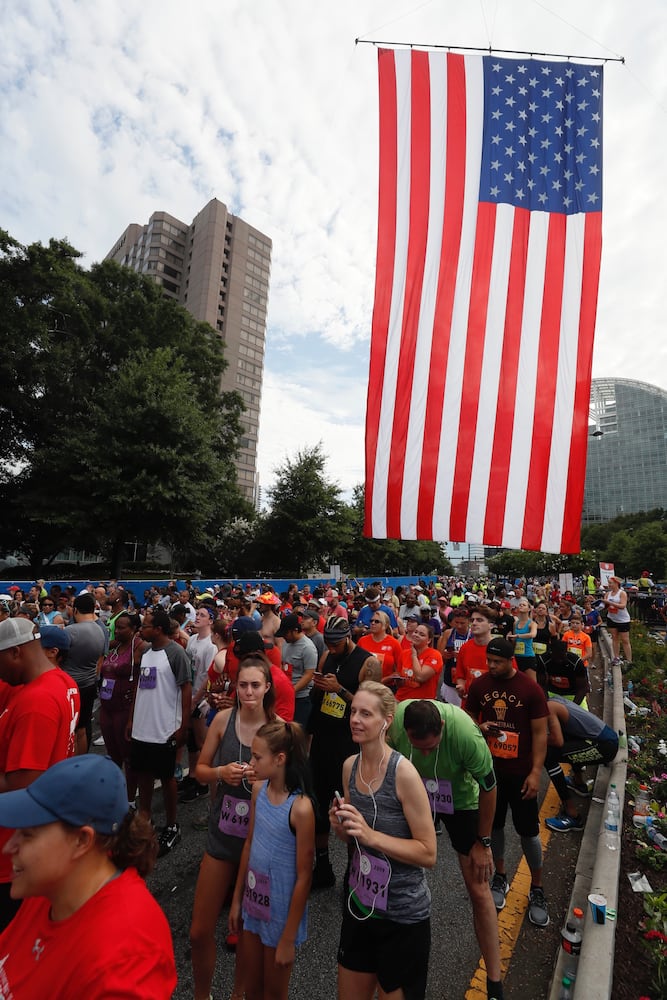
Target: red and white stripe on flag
column 484, row 315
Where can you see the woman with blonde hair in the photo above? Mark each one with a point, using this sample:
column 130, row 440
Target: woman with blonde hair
column 618, row 619
column 385, row 819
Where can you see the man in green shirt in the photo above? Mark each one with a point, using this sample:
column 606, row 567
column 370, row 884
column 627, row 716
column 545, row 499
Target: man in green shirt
column 455, row 764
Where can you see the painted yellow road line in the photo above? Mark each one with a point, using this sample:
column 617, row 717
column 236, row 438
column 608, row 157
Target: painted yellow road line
column 511, row 917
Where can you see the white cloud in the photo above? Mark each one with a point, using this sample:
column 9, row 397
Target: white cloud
column 114, row 110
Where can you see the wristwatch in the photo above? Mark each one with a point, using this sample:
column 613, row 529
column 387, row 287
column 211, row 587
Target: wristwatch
column 485, row 841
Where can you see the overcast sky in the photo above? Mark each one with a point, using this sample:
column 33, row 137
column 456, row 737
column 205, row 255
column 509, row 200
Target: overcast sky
column 115, row 109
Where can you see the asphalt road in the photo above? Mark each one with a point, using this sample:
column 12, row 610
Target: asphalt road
column 454, row 950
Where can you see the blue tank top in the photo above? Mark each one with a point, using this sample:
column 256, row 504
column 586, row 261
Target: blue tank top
column 273, row 855
column 523, row 646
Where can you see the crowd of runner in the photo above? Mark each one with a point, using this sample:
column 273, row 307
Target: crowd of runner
column 385, row 716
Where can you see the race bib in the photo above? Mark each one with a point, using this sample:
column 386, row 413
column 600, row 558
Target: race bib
column 257, row 895
column 148, row 678
column 439, row 792
column 369, row 880
column 539, row 648
column 106, row 689
column 334, row 705
column 562, row 683
column 574, row 649
column 504, row 745
column 234, row 816
column 519, row 647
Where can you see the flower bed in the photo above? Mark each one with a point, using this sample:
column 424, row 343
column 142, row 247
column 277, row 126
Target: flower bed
column 640, row 966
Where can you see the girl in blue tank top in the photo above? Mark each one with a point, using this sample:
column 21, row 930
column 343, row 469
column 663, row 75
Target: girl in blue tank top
column 276, row 866
column 525, row 630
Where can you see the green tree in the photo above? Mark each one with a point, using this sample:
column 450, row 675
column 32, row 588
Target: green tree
column 114, row 423
column 303, row 529
column 648, row 550
column 387, row 556
column 521, row 563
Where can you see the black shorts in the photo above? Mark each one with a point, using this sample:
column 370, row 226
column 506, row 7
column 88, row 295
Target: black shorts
column 158, row 759
column 526, row 663
column 396, row 953
column 462, row 829
column 525, row 812
column 87, row 696
column 619, row 626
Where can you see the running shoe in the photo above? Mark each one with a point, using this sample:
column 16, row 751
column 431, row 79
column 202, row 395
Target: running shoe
column 323, row 875
column 169, row 836
column 564, row 823
column 537, row 907
column 192, row 791
column 499, row 889
column 582, row 790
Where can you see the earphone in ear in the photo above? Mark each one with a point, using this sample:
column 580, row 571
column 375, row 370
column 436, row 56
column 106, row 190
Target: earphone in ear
column 384, row 726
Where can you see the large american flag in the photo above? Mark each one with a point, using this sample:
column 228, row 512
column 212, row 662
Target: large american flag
column 488, row 259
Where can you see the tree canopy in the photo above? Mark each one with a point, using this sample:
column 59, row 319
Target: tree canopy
column 112, row 421
column 632, row 542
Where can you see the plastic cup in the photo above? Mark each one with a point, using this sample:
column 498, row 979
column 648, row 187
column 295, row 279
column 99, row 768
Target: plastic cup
column 598, row 905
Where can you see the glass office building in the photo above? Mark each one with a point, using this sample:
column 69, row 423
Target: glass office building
column 626, row 466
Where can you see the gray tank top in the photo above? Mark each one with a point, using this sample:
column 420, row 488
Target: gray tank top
column 220, row 845
column 409, row 897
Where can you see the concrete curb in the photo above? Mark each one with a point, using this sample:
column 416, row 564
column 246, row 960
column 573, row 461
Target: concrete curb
column 598, row 868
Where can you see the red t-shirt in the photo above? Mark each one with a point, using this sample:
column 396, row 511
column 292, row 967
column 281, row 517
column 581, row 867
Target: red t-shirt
column 412, row 688
column 232, row 660
column 388, row 652
column 117, row 946
column 470, row 663
column 285, row 696
column 513, row 703
column 36, row 731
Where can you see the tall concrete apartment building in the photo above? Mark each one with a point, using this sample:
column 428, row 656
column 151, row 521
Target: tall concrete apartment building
column 218, row 267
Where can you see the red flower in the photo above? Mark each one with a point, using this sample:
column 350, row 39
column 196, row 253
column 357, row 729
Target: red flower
column 655, row 936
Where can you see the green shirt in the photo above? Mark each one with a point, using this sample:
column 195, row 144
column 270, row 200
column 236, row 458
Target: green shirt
column 463, row 757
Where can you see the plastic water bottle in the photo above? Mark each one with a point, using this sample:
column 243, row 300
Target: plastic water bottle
column 566, row 989
column 658, row 839
column 570, row 942
column 611, row 823
column 642, row 806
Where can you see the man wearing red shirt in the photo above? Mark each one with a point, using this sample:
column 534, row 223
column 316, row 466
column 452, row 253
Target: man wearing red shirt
column 36, row 729
column 471, row 660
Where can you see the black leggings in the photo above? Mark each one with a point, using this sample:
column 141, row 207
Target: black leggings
column 578, row 753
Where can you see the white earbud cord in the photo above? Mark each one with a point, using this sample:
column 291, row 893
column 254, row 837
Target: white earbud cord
column 385, row 887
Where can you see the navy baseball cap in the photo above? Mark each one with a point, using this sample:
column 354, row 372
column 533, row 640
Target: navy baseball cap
column 53, row 637
column 88, row 790
column 244, row 624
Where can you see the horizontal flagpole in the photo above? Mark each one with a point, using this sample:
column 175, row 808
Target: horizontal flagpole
column 488, row 48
